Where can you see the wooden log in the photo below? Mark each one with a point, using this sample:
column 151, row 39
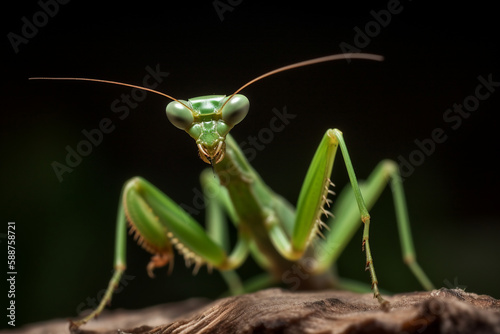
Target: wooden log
column 282, row 311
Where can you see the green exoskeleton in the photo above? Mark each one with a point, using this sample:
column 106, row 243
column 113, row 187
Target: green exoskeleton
column 277, row 234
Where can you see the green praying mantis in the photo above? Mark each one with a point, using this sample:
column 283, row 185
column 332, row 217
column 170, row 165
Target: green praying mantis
column 275, row 233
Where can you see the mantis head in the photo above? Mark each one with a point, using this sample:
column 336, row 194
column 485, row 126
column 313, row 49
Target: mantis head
column 208, row 119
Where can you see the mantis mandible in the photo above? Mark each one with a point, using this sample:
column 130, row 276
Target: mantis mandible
column 274, row 232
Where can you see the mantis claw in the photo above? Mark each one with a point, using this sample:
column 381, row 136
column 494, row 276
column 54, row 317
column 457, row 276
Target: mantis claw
column 160, row 260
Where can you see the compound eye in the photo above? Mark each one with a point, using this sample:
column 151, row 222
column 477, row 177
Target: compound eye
column 180, row 116
column 235, row 110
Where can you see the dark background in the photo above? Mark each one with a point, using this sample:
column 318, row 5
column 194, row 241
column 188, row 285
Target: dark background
column 65, row 230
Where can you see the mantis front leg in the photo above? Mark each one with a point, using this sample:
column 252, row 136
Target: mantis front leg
column 160, row 225
column 312, row 202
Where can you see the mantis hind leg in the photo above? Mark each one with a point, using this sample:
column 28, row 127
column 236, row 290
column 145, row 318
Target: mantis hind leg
column 345, row 223
column 219, row 206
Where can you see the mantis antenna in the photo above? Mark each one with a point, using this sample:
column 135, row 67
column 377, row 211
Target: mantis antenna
column 113, row 83
column 367, row 56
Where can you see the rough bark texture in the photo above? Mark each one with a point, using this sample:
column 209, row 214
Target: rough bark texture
column 280, row 311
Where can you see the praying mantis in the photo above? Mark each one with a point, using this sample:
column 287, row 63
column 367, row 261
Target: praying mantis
column 276, row 234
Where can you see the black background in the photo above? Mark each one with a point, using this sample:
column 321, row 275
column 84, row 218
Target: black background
column 65, row 230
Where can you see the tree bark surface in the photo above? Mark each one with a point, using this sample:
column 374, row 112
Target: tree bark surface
column 281, row 311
